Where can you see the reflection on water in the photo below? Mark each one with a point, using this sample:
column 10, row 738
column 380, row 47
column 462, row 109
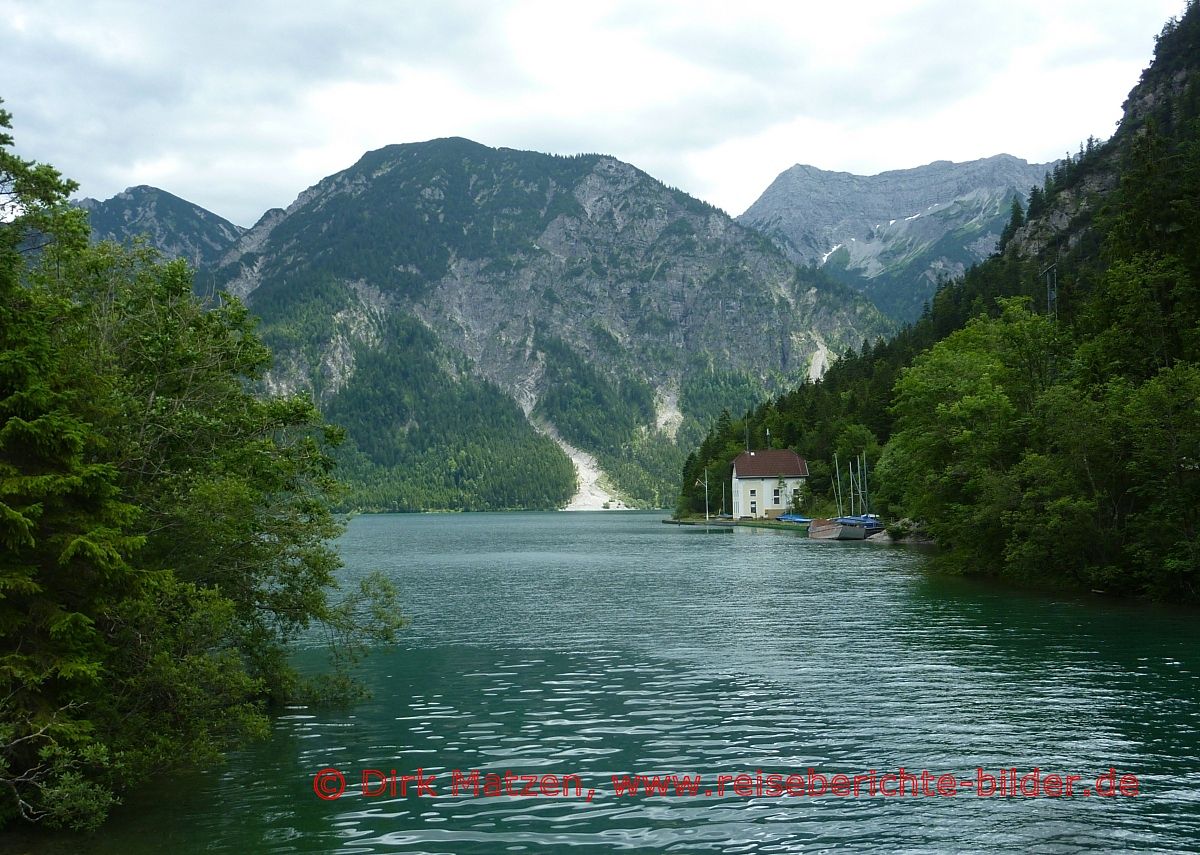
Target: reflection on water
column 601, row 645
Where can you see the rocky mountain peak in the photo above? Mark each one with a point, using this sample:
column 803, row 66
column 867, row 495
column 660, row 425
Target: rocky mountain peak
column 173, row 225
column 895, row 235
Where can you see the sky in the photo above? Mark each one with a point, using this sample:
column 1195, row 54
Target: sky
column 239, row 106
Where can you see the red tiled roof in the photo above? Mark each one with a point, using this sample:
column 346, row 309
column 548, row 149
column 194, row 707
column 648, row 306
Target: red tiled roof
column 770, row 463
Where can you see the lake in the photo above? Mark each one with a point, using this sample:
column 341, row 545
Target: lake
column 579, row 647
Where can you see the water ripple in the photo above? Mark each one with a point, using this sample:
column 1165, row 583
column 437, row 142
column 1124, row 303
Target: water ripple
column 604, row 646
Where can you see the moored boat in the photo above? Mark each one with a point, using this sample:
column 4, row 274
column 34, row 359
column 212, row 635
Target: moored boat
column 836, row 529
column 858, row 526
column 870, row 522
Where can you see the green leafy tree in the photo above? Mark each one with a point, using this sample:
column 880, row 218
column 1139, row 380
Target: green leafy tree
column 1164, row 546
column 166, row 529
column 234, row 488
column 64, row 527
column 963, row 417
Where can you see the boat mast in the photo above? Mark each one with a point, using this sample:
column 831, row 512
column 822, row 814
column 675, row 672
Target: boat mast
column 837, row 490
column 866, row 486
column 850, row 487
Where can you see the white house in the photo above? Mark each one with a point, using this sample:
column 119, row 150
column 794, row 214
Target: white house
column 765, row 482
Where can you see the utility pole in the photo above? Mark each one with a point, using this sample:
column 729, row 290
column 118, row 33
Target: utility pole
column 1051, row 274
column 706, row 493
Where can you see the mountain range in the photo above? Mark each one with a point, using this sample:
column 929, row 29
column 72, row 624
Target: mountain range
column 495, row 328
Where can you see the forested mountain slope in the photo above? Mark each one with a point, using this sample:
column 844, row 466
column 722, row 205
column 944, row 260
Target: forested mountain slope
column 451, row 303
column 1050, row 440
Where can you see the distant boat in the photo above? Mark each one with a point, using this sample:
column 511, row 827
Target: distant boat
column 841, row 528
column 870, row 522
column 794, row 518
column 854, row 526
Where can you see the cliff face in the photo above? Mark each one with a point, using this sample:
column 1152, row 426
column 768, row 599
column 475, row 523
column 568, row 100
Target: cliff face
column 1166, row 95
column 894, row 236
column 1166, row 81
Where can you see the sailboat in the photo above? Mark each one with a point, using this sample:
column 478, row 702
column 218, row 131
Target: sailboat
column 710, row 525
column 838, row 528
column 851, row 526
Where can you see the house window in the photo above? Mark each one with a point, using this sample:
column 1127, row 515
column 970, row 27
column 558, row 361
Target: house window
column 753, row 508
column 754, row 492
column 775, row 500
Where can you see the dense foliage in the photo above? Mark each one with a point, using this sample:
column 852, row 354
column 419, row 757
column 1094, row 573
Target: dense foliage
column 165, row 530
column 1061, row 445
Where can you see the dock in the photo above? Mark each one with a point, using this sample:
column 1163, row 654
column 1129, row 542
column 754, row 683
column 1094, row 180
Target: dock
column 799, row 528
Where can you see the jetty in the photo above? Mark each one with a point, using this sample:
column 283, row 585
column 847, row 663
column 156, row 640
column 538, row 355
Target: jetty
column 800, row 528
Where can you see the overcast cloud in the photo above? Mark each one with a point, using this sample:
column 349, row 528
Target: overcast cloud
column 239, row 106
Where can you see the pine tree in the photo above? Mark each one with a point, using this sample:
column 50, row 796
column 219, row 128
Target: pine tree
column 1015, row 221
column 62, row 525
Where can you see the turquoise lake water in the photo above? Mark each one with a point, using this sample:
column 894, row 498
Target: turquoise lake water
column 600, row 645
